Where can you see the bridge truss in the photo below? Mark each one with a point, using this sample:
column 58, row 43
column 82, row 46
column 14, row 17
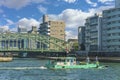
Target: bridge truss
column 26, row 42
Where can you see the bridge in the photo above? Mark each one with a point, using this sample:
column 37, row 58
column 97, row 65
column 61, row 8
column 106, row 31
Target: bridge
column 27, row 42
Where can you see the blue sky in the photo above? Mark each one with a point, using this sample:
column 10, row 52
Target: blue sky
column 29, row 13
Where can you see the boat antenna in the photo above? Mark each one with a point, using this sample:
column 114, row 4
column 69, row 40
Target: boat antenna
column 97, row 62
column 88, row 59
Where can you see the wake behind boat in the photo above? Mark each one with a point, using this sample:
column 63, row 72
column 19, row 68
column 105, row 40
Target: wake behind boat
column 22, row 68
column 70, row 63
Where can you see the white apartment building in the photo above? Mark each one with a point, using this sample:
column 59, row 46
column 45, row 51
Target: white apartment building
column 93, row 33
column 111, row 30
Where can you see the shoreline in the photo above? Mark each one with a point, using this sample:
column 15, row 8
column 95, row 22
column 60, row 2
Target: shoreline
column 101, row 59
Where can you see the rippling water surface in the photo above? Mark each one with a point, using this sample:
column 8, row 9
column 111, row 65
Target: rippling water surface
column 32, row 69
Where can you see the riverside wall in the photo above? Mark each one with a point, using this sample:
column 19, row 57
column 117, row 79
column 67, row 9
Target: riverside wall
column 100, row 54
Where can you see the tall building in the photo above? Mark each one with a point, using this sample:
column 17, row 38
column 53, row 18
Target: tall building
column 93, row 33
column 81, row 35
column 52, row 28
column 111, row 30
column 117, row 3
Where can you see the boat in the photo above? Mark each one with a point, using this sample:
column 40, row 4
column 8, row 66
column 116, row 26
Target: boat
column 71, row 63
column 6, row 58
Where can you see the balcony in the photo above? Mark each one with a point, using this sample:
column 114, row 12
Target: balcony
column 114, row 31
column 113, row 25
column 113, row 19
column 114, row 37
column 114, row 43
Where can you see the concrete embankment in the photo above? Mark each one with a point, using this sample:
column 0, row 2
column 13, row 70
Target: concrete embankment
column 101, row 59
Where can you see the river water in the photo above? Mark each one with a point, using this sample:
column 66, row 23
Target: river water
column 32, row 69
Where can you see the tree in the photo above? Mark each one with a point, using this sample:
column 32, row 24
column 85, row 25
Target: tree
column 75, row 46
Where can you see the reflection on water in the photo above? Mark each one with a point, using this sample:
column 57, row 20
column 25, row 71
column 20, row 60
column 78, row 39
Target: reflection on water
column 32, row 69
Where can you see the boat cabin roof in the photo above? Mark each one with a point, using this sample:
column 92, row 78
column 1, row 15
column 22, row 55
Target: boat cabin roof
column 66, row 58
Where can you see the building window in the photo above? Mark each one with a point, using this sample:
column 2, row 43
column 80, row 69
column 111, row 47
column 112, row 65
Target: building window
column 61, row 31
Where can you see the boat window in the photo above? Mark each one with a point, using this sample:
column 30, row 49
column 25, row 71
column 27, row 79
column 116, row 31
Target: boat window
column 60, row 60
column 67, row 60
column 71, row 60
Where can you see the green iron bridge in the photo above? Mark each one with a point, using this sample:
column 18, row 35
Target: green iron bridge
column 26, row 42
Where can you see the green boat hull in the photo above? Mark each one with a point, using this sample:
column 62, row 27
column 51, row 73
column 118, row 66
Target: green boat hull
column 86, row 66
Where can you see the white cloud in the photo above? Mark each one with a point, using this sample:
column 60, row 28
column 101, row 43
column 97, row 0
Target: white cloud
column 13, row 29
column 103, row 1
column 107, row 2
column 100, row 9
column 91, row 3
column 9, row 22
column 74, row 18
column 28, row 23
column 24, row 22
column 5, row 28
column 42, row 9
column 69, row 1
column 17, row 4
column 70, row 35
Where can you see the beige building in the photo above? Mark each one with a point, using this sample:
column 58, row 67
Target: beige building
column 52, row 28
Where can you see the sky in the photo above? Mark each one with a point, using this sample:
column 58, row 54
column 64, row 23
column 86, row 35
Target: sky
column 28, row 13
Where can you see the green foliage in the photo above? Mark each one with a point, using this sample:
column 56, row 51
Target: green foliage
column 75, row 46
